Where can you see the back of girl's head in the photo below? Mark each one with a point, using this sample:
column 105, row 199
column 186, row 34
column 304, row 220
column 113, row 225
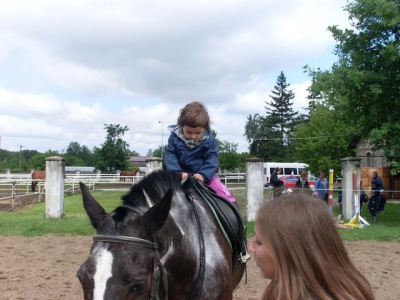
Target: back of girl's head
column 297, row 225
column 194, row 114
column 308, row 253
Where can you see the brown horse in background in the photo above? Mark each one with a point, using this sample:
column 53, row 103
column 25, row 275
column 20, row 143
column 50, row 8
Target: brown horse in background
column 127, row 173
column 35, row 176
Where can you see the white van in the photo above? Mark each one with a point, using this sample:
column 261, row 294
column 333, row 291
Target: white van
column 294, row 168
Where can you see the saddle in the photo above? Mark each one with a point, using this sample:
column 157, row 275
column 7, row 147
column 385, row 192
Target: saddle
column 229, row 219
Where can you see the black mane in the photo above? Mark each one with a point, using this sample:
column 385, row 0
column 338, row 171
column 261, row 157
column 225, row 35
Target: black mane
column 155, row 185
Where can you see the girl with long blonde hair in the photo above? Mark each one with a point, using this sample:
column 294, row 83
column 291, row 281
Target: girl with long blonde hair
column 297, row 246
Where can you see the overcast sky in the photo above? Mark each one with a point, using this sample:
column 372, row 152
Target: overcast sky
column 69, row 67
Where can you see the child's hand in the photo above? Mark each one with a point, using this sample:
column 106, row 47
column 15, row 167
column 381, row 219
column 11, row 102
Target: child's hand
column 199, row 177
column 184, row 175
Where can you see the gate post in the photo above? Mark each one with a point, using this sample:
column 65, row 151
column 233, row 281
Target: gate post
column 153, row 164
column 254, row 186
column 55, row 172
column 350, row 166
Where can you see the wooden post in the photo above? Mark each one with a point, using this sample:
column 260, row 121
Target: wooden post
column 153, row 164
column 55, row 173
column 350, row 168
column 254, row 186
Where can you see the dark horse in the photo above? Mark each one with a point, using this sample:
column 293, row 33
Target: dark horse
column 163, row 242
column 35, row 176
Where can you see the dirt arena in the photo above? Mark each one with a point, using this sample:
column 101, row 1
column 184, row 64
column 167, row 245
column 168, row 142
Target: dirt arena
column 45, row 268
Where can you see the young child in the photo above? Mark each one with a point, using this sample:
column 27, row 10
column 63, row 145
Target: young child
column 373, row 205
column 310, row 262
column 381, row 202
column 193, row 150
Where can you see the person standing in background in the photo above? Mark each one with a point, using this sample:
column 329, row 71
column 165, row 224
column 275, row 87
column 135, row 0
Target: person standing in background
column 376, row 184
column 381, row 202
column 302, row 184
column 277, row 184
column 363, row 197
column 322, row 186
column 373, row 205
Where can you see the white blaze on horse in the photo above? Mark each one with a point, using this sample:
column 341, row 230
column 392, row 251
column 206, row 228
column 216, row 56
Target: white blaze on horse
column 162, row 242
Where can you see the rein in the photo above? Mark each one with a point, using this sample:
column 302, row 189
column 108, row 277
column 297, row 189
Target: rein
column 124, row 240
column 198, row 285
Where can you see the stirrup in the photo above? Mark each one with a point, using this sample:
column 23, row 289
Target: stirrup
column 244, row 258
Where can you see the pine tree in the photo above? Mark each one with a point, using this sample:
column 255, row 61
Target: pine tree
column 281, row 119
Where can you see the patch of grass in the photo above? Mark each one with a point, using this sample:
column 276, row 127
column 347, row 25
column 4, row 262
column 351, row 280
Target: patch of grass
column 387, row 228
column 32, row 221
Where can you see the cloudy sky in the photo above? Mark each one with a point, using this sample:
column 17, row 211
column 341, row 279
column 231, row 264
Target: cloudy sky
column 69, row 67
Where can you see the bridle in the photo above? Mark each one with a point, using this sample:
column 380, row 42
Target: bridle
column 157, row 266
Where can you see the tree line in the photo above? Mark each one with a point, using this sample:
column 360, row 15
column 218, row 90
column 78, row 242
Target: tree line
column 112, row 155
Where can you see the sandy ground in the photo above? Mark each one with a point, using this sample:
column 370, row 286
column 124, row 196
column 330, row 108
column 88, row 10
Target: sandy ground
column 45, row 268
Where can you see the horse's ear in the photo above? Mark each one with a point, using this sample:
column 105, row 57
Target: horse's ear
column 93, row 209
column 156, row 216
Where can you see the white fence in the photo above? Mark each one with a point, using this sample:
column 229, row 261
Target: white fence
column 13, row 186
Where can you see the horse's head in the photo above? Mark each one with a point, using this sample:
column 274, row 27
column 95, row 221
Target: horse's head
column 124, row 257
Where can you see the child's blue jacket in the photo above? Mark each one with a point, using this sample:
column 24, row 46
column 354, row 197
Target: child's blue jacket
column 202, row 159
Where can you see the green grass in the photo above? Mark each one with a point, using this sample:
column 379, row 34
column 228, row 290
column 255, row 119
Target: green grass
column 31, row 221
column 387, row 228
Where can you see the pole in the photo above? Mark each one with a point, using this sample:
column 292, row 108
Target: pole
column 162, row 138
column 20, row 148
column 355, row 193
column 330, row 199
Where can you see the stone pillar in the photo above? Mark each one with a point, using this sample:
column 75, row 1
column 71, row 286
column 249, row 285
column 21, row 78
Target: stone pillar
column 254, row 186
column 153, row 164
column 55, row 172
column 350, row 165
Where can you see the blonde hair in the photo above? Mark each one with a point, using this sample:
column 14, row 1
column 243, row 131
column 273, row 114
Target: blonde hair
column 194, row 114
column 309, row 257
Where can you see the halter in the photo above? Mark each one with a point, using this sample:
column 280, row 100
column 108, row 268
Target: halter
column 157, row 266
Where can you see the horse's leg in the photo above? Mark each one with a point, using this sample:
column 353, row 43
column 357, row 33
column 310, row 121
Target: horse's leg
column 33, row 185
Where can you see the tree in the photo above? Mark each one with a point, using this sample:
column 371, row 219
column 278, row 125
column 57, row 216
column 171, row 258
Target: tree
column 323, row 141
column 149, row 153
column 364, row 83
column 82, row 153
column 270, row 136
column 157, row 152
column 113, row 153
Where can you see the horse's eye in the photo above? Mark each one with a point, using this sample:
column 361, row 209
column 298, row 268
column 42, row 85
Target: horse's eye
column 136, row 286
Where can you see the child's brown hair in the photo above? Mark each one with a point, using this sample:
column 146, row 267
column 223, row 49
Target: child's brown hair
column 194, row 114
